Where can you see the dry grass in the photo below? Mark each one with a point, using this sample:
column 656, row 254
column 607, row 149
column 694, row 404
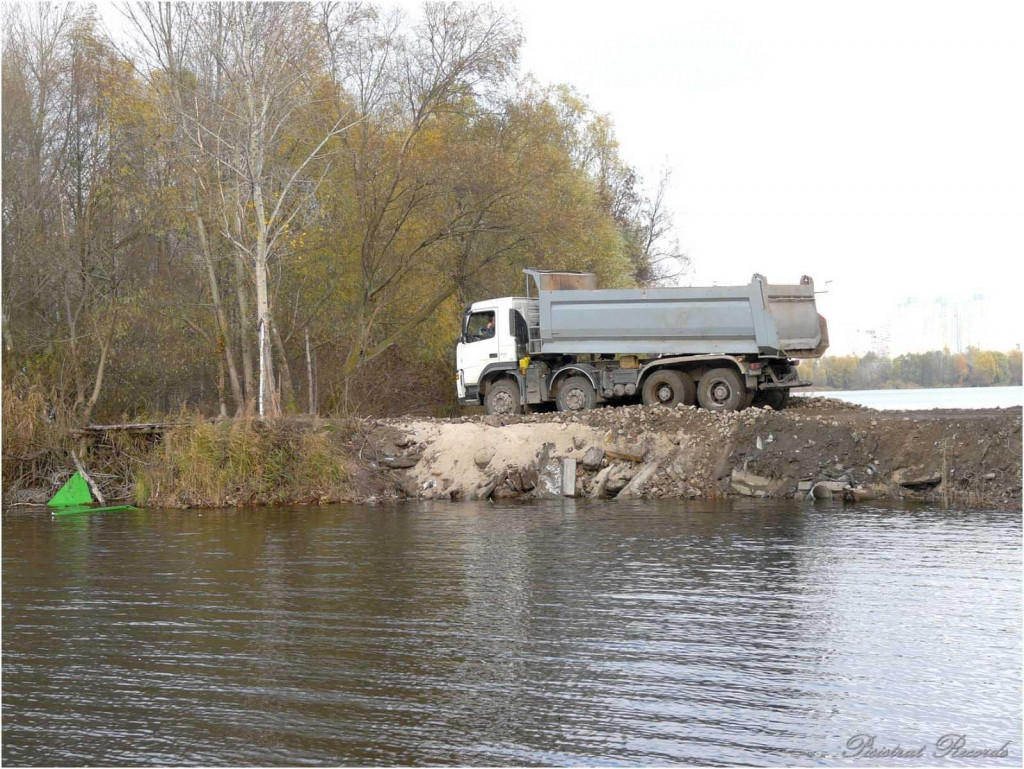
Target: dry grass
column 36, row 437
column 243, row 462
column 202, row 464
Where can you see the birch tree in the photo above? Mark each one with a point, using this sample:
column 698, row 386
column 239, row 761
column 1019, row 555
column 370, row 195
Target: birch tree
column 267, row 122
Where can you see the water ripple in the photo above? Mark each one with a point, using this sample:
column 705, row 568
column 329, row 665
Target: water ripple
column 559, row 634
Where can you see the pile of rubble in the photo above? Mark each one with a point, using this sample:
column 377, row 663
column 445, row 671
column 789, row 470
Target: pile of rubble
column 818, row 447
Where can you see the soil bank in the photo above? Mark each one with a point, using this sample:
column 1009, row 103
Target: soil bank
column 817, row 446
column 968, row 458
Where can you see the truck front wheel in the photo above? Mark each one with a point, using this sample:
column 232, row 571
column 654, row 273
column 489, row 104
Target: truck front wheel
column 502, row 397
column 576, row 394
column 722, row 389
column 669, row 388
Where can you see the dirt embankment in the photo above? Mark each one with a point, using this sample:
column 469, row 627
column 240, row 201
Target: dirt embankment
column 817, row 446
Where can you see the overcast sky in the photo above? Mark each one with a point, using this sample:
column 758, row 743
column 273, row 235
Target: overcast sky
column 874, row 145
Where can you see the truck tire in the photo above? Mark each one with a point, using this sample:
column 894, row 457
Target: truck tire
column 722, row 389
column 503, row 397
column 777, row 399
column 576, row 394
column 669, row 388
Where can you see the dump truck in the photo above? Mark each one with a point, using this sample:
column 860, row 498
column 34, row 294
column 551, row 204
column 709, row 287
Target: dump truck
column 570, row 344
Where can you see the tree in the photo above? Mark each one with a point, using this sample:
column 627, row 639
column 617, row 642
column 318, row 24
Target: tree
column 654, row 250
column 983, row 368
column 330, row 172
column 255, row 105
column 1014, row 364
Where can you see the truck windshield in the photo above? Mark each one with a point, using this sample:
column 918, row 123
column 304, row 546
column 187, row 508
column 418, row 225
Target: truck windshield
column 480, row 325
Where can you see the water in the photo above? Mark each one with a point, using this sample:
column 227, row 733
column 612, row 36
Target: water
column 716, row 633
column 935, row 398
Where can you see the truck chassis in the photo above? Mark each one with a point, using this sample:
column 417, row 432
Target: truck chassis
column 715, row 382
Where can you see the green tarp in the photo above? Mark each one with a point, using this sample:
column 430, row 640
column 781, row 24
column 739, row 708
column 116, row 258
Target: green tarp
column 74, row 498
column 74, row 492
column 79, row 509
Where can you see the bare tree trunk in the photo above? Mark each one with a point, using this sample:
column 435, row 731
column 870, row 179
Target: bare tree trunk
column 268, row 402
column 245, row 328
column 8, row 342
column 100, row 369
column 220, row 390
column 270, row 407
column 284, row 372
column 224, row 338
column 88, row 479
column 309, row 379
column 72, row 324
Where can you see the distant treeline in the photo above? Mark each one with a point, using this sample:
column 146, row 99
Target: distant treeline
column 938, row 368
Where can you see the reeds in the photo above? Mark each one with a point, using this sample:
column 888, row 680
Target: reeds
column 243, row 462
column 36, row 437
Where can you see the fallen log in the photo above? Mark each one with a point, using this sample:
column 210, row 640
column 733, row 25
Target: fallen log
column 138, row 427
column 92, row 484
column 636, row 458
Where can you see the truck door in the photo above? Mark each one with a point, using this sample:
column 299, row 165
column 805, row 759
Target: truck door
column 479, row 344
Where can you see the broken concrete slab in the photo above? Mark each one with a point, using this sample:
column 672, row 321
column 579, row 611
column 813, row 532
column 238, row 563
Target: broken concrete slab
column 635, row 487
column 483, row 457
column 568, row 477
column 750, row 485
column 593, row 458
column 917, row 476
column 618, row 479
column 484, row 490
column 401, row 463
column 862, row 494
column 597, row 489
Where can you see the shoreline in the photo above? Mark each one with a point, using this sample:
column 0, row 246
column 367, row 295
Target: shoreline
column 847, row 451
column 966, row 458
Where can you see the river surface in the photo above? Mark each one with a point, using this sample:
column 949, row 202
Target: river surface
column 764, row 633
column 931, row 398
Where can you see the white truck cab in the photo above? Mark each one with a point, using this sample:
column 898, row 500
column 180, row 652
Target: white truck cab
column 494, row 336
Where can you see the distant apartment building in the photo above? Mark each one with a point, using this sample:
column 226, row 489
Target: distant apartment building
column 918, row 325
column 876, row 339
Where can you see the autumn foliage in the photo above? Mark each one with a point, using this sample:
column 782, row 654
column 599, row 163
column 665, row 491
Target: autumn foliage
column 938, row 368
column 286, row 206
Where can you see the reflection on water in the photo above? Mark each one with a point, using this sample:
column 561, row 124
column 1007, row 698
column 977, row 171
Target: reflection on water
column 641, row 633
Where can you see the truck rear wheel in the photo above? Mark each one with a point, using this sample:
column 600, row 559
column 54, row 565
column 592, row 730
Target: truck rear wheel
column 669, row 388
column 722, row 389
column 503, row 397
column 777, row 399
column 576, row 394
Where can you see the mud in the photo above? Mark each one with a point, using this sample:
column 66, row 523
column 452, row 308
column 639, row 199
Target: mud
column 817, row 446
